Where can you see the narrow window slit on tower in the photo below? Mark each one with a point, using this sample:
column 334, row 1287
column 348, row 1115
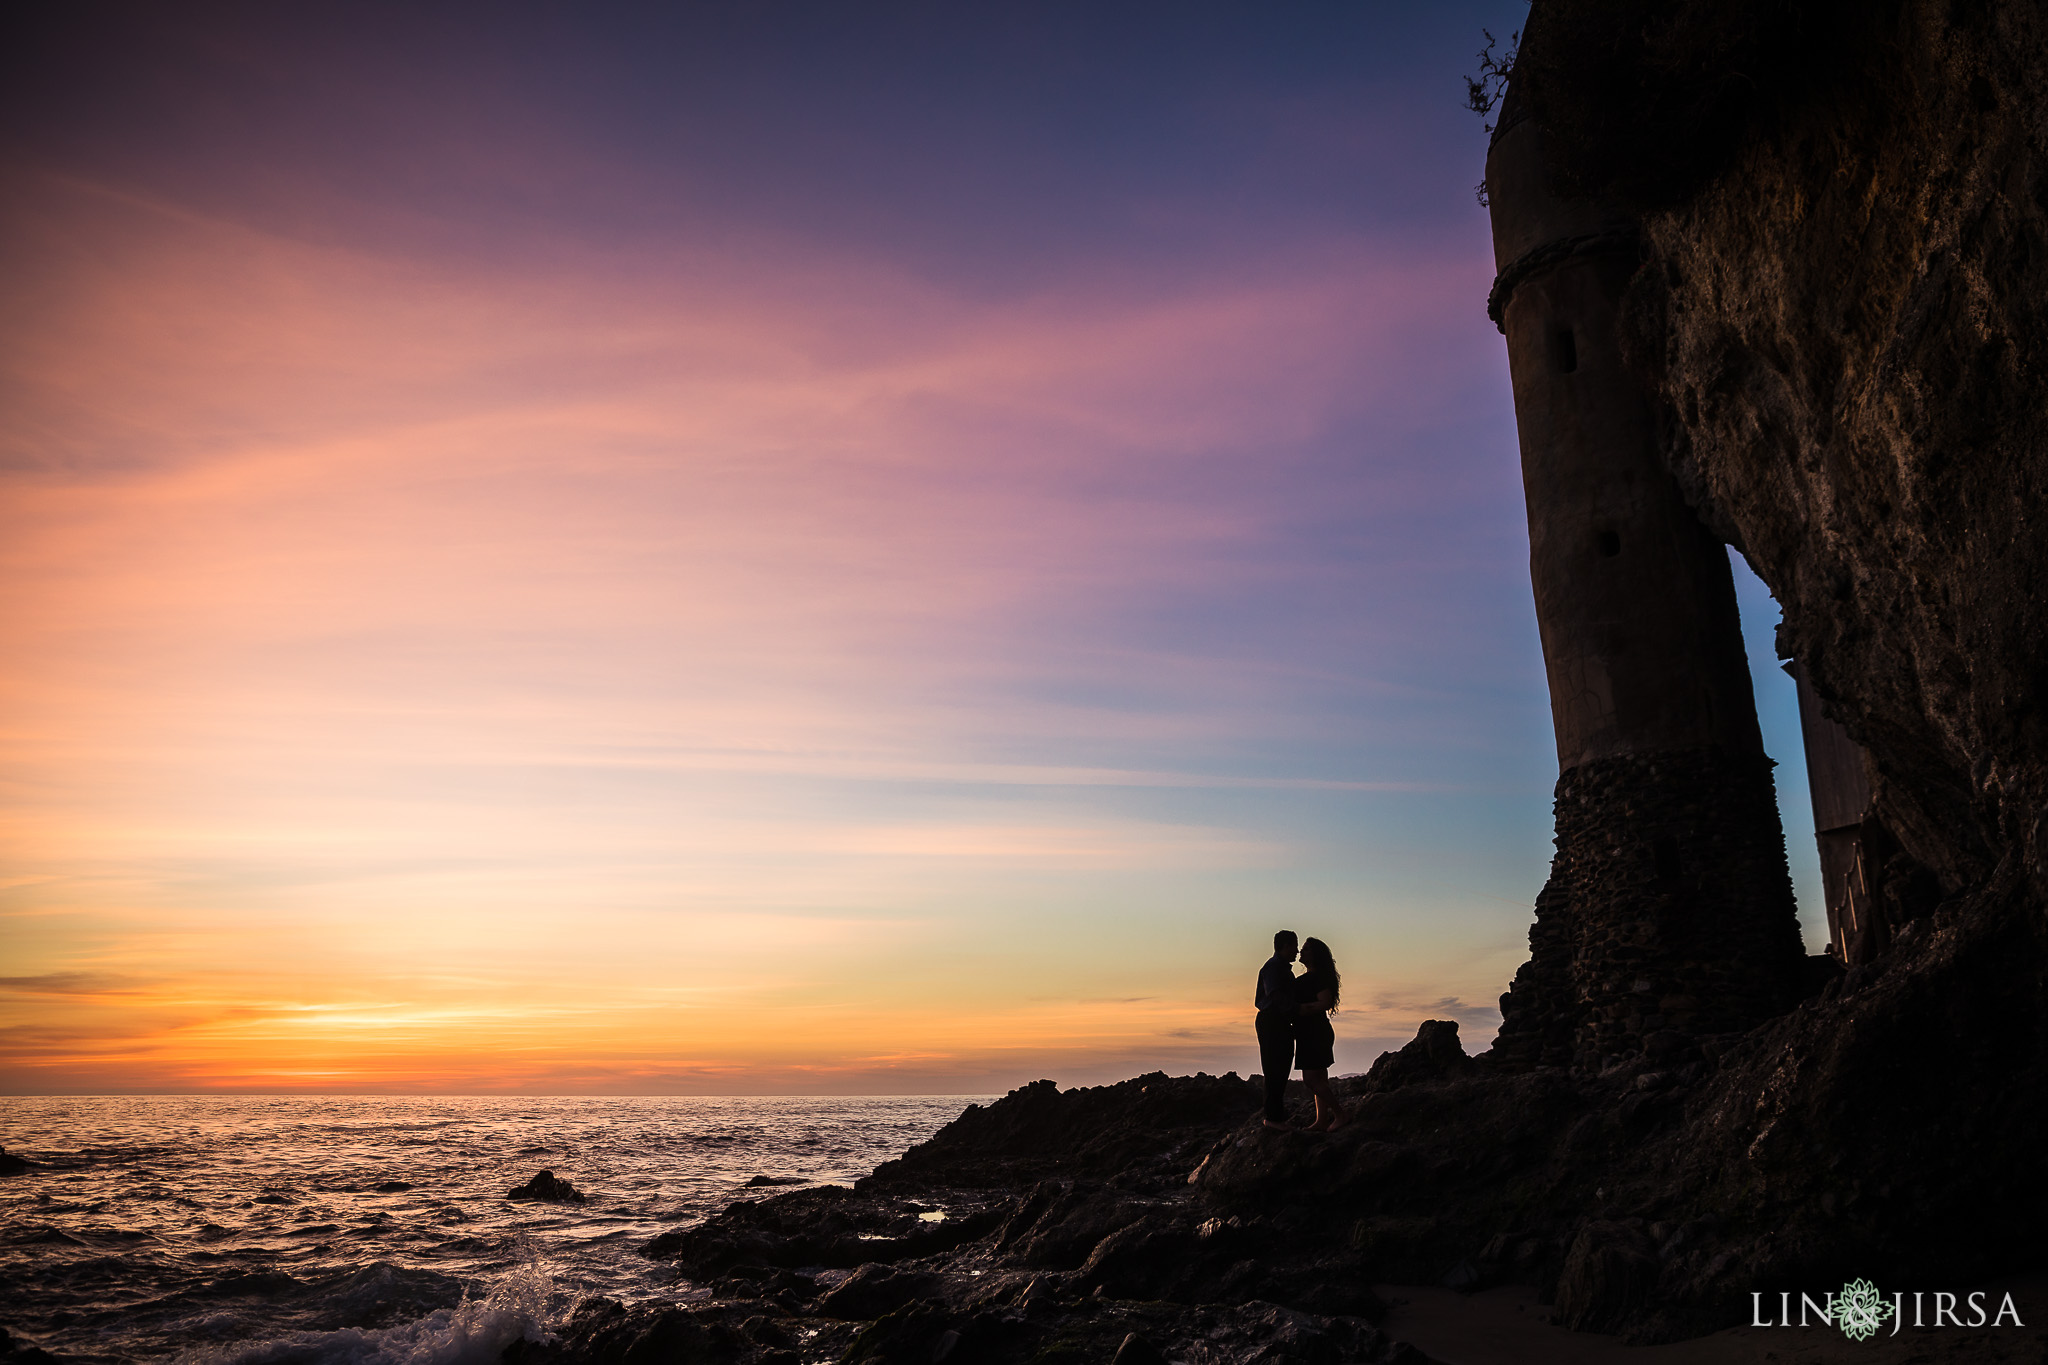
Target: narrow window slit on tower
column 1564, row 349
column 1608, row 543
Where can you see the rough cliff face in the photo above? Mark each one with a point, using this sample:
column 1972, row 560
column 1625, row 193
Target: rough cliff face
column 1851, row 324
column 1841, row 312
column 1844, row 312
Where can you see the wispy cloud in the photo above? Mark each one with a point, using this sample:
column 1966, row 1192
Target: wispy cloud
column 504, row 668
column 72, row 983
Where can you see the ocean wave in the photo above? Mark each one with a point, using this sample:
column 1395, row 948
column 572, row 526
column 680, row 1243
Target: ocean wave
column 104, row 1256
column 472, row 1332
column 42, row 1234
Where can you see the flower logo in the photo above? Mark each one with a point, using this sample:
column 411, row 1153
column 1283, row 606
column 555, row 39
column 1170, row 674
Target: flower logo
column 1860, row 1310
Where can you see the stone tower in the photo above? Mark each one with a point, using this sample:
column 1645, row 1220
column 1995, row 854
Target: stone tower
column 1669, row 908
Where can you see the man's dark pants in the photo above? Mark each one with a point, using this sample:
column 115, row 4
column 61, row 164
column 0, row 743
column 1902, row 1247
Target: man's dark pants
column 1276, row 1058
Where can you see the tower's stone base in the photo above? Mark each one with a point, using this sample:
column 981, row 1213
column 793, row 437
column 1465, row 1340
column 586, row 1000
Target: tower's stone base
column 1668, row 912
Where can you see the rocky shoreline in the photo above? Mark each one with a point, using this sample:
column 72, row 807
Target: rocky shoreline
column 1050, row 1225
column 1158, row 1219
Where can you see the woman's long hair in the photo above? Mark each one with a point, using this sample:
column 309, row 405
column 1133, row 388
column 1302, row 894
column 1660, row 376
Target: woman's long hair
column 1315, row 955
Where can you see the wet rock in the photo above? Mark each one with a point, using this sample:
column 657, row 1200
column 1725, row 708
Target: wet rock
column 1073, row 1225
column 546, row 1186
column 830, row 1226
column 11, row 1164
column 1065, row 1267
column 930, row 1333
column 765, row 1181
column 1609, row 1275
column 819, row 1227
column 1333, row 1289
column 1143, row 1259
column 1148, row 1128
column 1264, row 1331
column 767, row 1331
column 1434, row 1054
column 1136, row 1350
column 785, row 1287
column 606, row 1332
column 874, row 1291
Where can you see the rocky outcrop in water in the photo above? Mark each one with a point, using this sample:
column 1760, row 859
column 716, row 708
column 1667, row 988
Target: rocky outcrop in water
column 547, row 1186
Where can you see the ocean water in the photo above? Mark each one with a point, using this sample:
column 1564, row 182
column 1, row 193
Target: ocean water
column 374, row 1230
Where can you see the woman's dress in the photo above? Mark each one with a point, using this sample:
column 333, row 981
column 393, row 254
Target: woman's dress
column 1315, row 1041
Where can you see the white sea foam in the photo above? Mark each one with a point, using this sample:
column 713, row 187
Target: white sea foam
column 473, row 1332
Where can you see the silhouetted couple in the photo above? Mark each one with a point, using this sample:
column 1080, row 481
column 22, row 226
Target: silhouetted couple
column 1294, row 1027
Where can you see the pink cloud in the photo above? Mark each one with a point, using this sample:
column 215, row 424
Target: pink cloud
column 343, row 572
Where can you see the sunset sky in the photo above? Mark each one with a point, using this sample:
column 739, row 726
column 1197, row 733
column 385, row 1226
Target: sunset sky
column 737, row 548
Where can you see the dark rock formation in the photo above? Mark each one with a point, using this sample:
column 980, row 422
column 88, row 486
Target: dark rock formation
column 1845, row 327
column 1837, row 308
column 606, row 1330
column 546, row 1186
column 1132, row 1132
column 1434, row 1054
column 1609, row 1275
column 1448, row 1171
column 1075, row 1224
column 830, row 1227
column 925, row 1332
column 10, row 1164
column 875, row 1291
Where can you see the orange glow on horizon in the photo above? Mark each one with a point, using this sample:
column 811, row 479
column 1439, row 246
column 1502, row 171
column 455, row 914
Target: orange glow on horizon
column 186, row 1039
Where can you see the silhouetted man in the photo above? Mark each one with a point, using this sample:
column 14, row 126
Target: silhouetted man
column 1277, row 1011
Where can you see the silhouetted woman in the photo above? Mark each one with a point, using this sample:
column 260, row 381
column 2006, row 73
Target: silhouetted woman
column 1315, row 1041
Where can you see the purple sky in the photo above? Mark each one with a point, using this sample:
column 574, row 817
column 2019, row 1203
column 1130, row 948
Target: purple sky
column 754, row 547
